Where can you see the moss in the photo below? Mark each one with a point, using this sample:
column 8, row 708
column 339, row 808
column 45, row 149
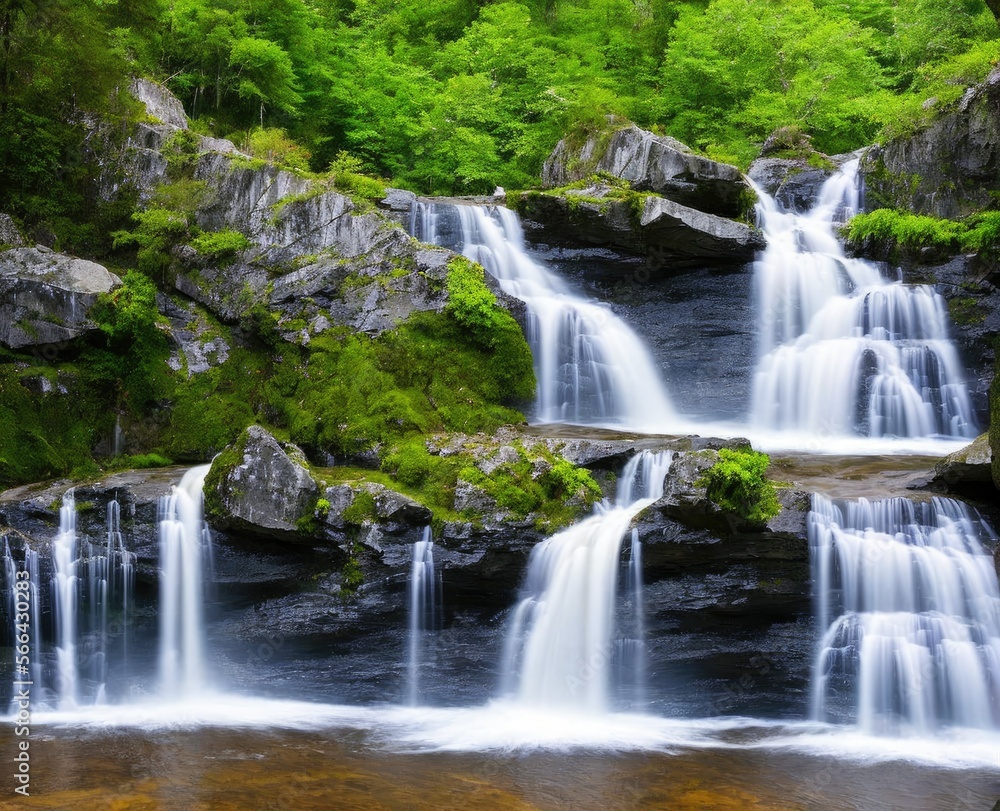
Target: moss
column 362, row 509
column 537, row 483
column 222, row 466
column 736, row 483
column 967, row 311
column 352, row 576
column 216, row 245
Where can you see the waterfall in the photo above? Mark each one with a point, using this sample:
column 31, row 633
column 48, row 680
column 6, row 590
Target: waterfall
column 425, row 608
column 184, row 546
column 842, row 350
column 908, row 602
column 25, row 625
column 592, row 369
column 561, row 643
column 632, row 649
column 64, row 593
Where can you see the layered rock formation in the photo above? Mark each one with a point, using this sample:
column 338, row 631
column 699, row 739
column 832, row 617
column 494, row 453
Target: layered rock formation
column 949, row 169
column 644, row 194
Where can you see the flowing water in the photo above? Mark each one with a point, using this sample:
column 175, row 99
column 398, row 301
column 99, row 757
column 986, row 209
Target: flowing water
column 908, row 598
column 183, row 553
column 906, row 681
column 424, row 590
column 561, row 643
column 592, row 368
column 844, row 351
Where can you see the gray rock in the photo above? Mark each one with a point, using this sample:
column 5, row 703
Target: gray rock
column 45, row 296
column 651, row 163
column 197, row 345
column 266, row 491
column 673, row 235
column 474, row 499
column 970, row 464
column 160, row 103
column 10, row 236
column 793, row 183
column 951, row 168
column 391, row 507
column 685, row 232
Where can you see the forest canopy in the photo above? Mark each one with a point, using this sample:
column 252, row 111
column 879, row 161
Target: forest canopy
column 458, row 96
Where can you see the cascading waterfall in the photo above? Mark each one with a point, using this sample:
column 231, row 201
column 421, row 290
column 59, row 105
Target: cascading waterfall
column 184, row 545
column 18, row 628
column 425, row 610
column 633, row 648
column 907, row 597
column 561, row 644
column 64, row 593
column 592, row 369
column 842, row 350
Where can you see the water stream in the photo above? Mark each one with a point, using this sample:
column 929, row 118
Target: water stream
column 561, row 644
column 844, row 351
column 592, row 368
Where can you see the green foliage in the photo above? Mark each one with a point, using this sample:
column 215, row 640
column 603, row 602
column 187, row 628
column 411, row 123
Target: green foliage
column 979, row 233
column 46, row 435
column 362, row 509
column 273, row 145
column 348, row 176
column 220, row 244
column 322, row 507
column 736, row 483
column 131, row 359
column 181, row 152
column 891, row 227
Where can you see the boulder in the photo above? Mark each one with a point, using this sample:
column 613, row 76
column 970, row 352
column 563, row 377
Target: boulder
column 45, row 296
column 971, row 464
column 949, row 169
column 683, row 232
column 650, row 163
column 260, row 486
column 666, row 232
column 161, row 105
column 391, row 508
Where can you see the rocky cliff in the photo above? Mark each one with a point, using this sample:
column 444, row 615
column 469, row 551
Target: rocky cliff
column 950, row 169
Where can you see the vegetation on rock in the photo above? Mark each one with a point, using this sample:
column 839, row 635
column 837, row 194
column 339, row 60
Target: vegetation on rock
column 737, row 484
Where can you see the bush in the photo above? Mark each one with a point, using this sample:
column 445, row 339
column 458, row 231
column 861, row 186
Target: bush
column 737, row 485
column 220, row 244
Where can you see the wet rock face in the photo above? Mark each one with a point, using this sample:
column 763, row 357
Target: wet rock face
column 45, row 296
column 949, row 169
column 650, row 163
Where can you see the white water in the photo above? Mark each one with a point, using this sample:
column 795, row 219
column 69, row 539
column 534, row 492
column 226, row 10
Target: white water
column 425, row 608
column 844, row 351
column 908, row 599
column 561, row 642
column 183, row 553
column 64, row 588
column 592, row 369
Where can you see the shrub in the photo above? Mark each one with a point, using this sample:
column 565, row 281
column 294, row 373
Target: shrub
column 736, row 484
column 220, row 244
